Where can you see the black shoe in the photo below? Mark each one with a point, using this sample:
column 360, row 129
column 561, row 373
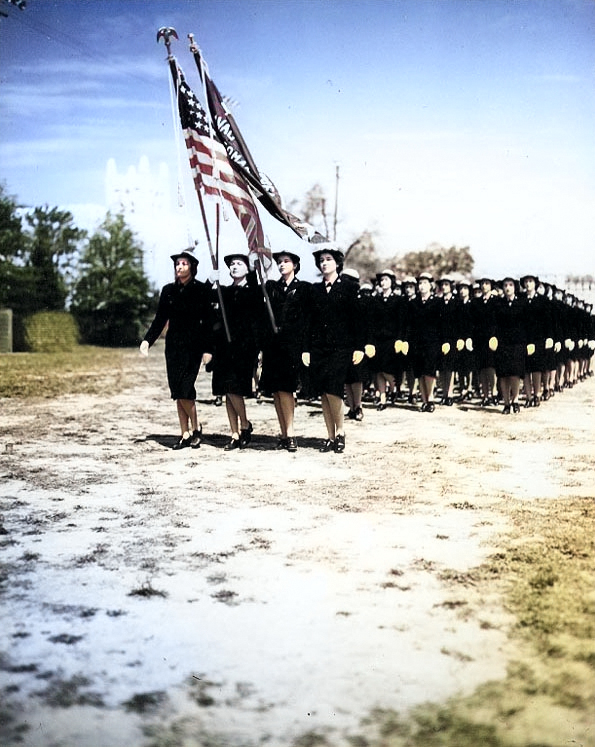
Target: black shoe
column 328, row 445
column 536, row 402
column 381, row 406
column 291, row 445
column 246, row 436
column 430, row 407
column 529, row 402
column 359, row 414
column 182, row 443
column 218, row 401
column 281, row 443
column 234, row 443
column 351, row 414
column 340, row 444
column 516, row 408
column 506, row 410
column 196, row 438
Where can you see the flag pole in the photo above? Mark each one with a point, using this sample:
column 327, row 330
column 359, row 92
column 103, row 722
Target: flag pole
column 166, row 33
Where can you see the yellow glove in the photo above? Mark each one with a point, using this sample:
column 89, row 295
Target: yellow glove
column 357, row 357
column 549, row 343
column 370, row 351
column 530, row 348
column 445, row 348
column 306, row 359
column 493, row 344
column 405, row 347
column 469, row 344
column 398, row 346
column 460, row 345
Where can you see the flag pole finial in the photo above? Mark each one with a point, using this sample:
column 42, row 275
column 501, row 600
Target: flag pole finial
column 193, row 46
column 166, row 33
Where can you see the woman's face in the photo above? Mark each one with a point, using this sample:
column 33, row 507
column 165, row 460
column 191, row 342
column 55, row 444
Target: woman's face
column 424, row 286
column 238, row 269
column 464, row 292
column 486, row 287
column 183, row 271
column 385, row 282
column 409, row 290
column 530, row 285
column 508, row 288
column 327, row 264
column 285, row 265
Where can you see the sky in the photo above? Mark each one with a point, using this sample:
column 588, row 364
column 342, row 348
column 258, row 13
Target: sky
column 468, row 123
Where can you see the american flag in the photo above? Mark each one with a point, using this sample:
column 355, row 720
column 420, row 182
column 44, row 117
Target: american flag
column 241, row 159
column 211, row 169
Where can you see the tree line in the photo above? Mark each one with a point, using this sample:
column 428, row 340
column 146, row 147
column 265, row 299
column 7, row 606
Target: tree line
column 48, row 264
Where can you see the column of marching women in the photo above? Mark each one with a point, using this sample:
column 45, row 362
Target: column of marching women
column 417, row 343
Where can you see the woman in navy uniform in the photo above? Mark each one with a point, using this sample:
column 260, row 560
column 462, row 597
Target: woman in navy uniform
column 424, row 326
column 185, row 306
column 336, row 340
column 465, row 358
column 387, row 326
column 509, row 343
column 449, row 334
column 484, row 327
column 282, row 350
column 539, row 339
column 234, row 360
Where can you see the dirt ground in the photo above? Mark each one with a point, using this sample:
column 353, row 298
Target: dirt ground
column 203, row 597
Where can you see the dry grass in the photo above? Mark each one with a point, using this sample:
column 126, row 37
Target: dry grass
column 86, row 370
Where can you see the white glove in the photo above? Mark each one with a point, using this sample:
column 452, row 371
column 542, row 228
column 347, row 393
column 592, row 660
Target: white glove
column 398, row 346
column 144, row 348
column 530, row 348
column 567, row 342
column 557, row 347
column 405, row 347
column 357, row 357
column 445, row 348
column 549, row 343
column 306, row 359
column 469, row 344
column 460, row 344
column 214, row 276
column 370, row 351
column 591, row 344
column 493, row 344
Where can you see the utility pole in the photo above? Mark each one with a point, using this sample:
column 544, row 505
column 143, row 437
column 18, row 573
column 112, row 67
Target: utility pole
column 336, row 201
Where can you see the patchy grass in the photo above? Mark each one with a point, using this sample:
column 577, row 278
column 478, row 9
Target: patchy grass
column 85, row 370
column 545, row 573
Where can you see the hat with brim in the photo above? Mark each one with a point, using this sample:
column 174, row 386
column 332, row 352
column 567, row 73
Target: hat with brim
column 509, row 279
column 425, row 276
column 486, row 279
column 335, row 253
column 293, row 257
column 186, row 254
column 230, row 258
column 527, row 277
column 464, row 284
column 446, row 279
column 386, row 274
column 408, row 280
column 351, row 273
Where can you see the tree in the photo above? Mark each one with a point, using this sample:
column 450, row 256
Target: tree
column 112, row 296
column 52, row 245
column 12, row 246
column 361, row 256
column 437, row 260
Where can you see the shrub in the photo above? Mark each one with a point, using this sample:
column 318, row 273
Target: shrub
column 51, row 331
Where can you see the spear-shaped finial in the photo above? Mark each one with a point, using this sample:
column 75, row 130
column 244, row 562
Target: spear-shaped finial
column 166, row 33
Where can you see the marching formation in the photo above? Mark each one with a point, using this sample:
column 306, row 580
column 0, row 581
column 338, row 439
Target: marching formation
column 341, row 342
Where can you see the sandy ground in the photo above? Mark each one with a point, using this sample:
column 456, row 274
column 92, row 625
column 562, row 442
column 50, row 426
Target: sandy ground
column 250, row 598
